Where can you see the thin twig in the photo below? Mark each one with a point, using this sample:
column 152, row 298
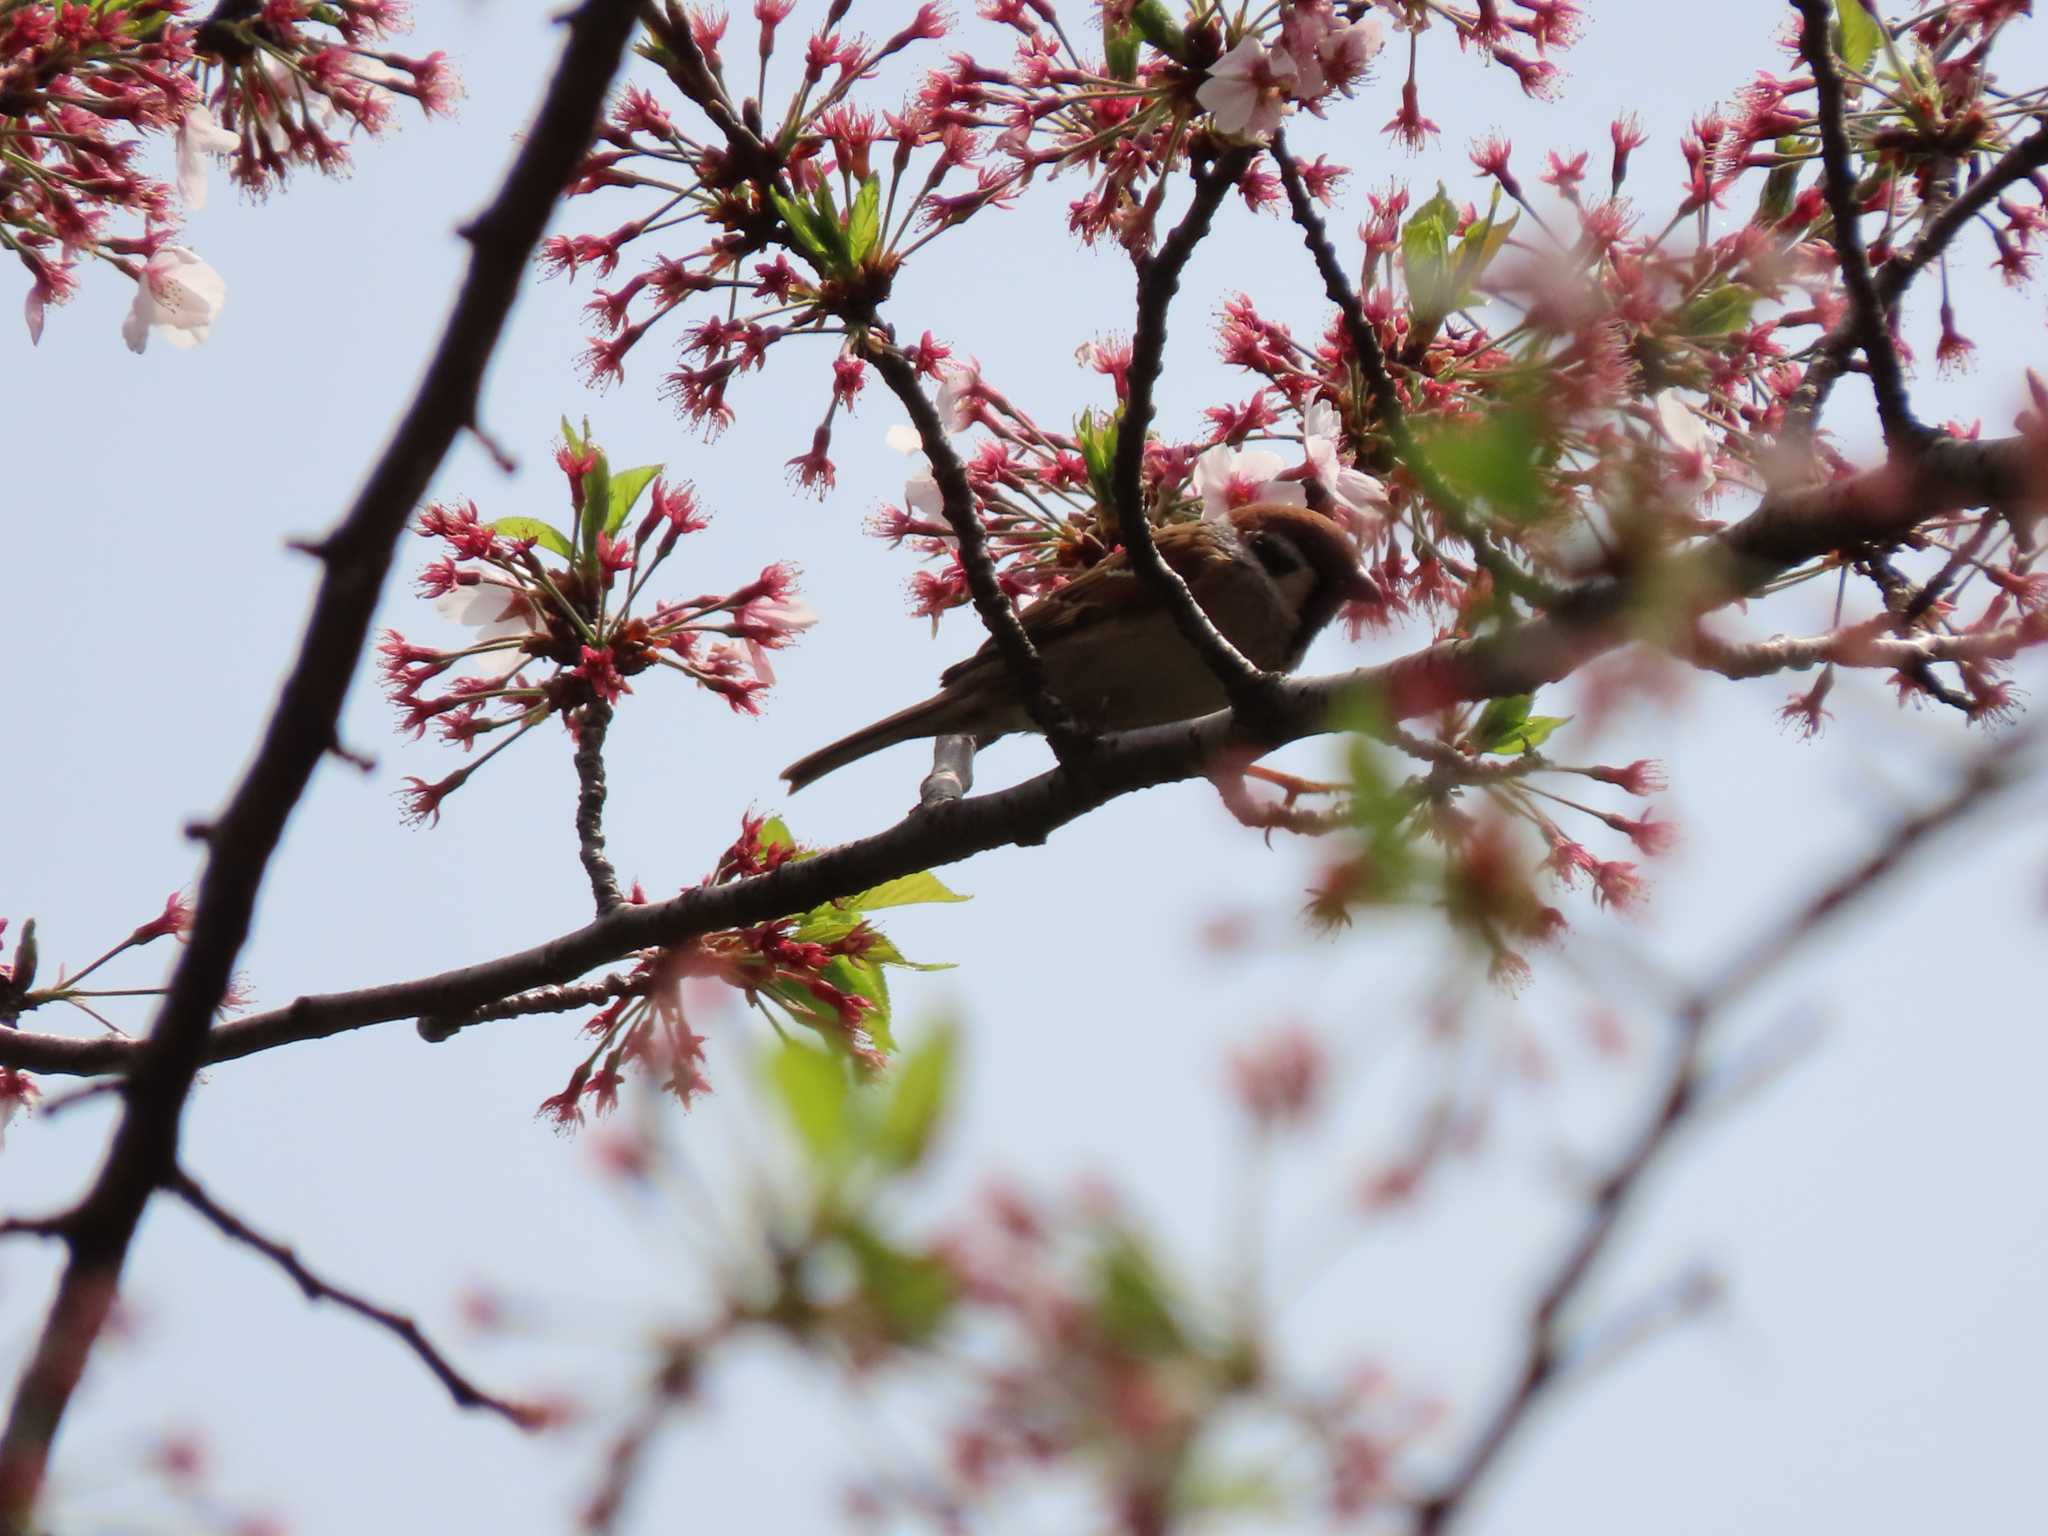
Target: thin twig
column 998, row 614
column 584, row 994
column 1546, row 1355
column 1508, row 575
column 357, row 556
column 465, row 1392
column 1872, row 330
column 1158, row 281
column 1897, row 274
column 592, row 722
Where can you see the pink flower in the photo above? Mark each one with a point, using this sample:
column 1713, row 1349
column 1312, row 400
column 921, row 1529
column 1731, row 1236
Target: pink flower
column 1247, row 90
column 1226, row 478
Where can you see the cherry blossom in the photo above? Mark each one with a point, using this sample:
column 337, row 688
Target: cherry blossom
column 1247, row 90
column 177, row 294
column 199, row 137
column 1227, row 477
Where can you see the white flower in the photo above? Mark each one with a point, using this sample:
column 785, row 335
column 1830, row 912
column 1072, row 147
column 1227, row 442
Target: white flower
column 495, row 613
column 198, row 137
column 177, row 294
column 959, row 406
column 921, row 494
column 1226, row 479
column 1692, row 446
column 1247, row 90
column 903, row 438
column 1355, row 491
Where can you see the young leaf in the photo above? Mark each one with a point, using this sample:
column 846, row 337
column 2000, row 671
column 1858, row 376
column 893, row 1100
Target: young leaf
column 1861, row 33
column 903, row 891
column 627, row 486
column 1529, row 735
column 813, row 1089
column 597, row 502
column 547, row 535
column 1425, row 259
column 1131, row 1302
column 864, row 221
column 569, row 437
column 1500, row 720
column 911, row 1293
column 1156, row 25
column 917, row 1098
column 1717, row 311
column 802, row 231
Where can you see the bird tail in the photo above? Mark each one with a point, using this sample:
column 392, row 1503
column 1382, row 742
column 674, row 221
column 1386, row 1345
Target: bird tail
column 930, row 718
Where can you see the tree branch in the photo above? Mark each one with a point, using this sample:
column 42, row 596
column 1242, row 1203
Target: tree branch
column 1547, row 1360
column 465, row 1392
column 592, row 722
column 991, row 602
column 1508, row 574
column 1897, row 274
column 1786, row 530
column 1158, row 281
column 1871, row 329
column 357, row 556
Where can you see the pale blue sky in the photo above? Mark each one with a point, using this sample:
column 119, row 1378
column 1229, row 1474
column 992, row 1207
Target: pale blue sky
column 1876, row 1214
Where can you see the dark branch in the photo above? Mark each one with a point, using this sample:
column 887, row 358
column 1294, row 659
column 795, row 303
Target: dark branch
column 1787, row 530
column 465, row 1392
column 357, row 557
column 1158, row 282
column 591, row 724
column 1508, row 575
column 1547, row 1360
column 1897, row 274
column 956, row 495
column 1871, row 328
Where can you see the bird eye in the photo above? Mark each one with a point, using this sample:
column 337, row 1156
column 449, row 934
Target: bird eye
column 1276, row 556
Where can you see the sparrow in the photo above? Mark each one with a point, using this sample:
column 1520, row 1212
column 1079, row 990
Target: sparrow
column 1268, row 576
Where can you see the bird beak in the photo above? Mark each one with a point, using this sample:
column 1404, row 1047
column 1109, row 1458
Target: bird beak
column 1363, row 589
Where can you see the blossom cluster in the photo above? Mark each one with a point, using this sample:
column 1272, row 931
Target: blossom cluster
column 561, row 637
column 821, row 970
column 20, row 994
column 269, row 84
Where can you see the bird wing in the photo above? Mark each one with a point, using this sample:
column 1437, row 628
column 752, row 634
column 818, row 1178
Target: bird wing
column 1104, row 588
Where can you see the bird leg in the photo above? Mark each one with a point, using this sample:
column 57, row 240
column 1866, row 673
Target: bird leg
column 952, row 772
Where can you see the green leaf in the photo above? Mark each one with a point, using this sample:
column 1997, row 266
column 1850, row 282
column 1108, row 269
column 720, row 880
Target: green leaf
column 569, row 437
column 917, row 1098
column 1131, row 1303
column 1861, row 33
column 1157, row 26
column 812, row 1087
column 1499, row 720
column 627, row 487
column 775, row 833
column 1532, row 733
column 547, row 535
column 864, row 978
column 803, row 230
column 904, row 891
column 597, row 502
column 864, row 221
column 1120, row 50
column 1426, row 260
column 1496, row 455
column 911, row 1293
column 1478, row 247
column 1717, row 311
column 1507, row 729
